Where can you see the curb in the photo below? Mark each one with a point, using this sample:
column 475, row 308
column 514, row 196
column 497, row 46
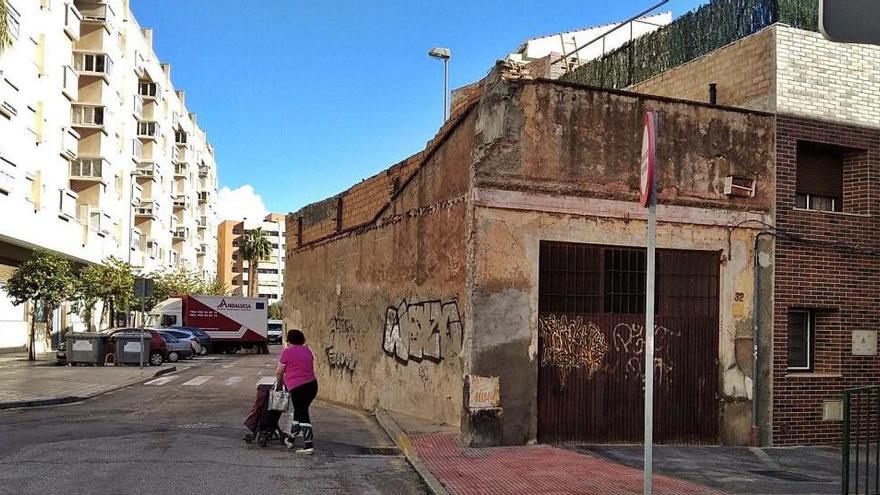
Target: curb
column 403, row 442
column 69, row 399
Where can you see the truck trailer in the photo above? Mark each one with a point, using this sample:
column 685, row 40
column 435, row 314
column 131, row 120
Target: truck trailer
column 233, row 323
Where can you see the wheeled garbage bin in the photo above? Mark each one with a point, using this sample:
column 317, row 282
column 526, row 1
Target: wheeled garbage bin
column 85, row 347
column 129, row 350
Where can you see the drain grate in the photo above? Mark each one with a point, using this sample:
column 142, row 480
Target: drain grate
column 378, row 451
column 787, row 476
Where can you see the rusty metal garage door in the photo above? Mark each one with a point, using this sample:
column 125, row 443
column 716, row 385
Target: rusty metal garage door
column 591, row 347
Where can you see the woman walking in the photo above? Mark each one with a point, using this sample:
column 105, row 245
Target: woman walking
column 296, row 370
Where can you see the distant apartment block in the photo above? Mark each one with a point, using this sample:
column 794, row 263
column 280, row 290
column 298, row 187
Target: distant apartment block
column 99, row 155
column 232, row 269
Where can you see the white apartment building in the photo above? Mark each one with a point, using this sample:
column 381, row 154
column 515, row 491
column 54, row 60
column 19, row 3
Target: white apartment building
column 99, row 155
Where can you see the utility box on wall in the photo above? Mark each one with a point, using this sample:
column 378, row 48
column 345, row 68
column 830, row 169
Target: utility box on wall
column 864, row 343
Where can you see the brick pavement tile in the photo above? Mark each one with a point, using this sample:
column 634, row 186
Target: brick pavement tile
column 535, row 470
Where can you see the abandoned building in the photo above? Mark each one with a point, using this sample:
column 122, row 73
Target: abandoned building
column 818, row 332
column 508, row 257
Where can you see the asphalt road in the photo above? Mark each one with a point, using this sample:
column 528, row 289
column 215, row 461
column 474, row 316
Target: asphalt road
column 181, row 434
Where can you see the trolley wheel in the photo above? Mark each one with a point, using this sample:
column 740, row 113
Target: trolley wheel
column 262, row 439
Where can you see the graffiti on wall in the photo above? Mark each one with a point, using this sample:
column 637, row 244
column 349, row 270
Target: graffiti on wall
column 340, row 351
column 629, row 343
column 429, row 330
column 570, row 344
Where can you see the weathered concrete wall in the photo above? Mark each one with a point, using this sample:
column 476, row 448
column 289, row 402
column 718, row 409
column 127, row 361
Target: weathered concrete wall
column 561, row 163
column 382, row 304
column 743, row 70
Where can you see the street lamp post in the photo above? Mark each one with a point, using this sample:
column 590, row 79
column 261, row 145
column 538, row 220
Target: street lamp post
column 443, row 54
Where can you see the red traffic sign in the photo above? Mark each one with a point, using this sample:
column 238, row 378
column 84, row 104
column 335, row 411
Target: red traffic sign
column 649, row 158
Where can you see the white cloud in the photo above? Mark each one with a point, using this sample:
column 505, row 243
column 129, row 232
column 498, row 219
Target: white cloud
column 242, row 203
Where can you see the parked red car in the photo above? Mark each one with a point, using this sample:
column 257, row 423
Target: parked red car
column 158, row 349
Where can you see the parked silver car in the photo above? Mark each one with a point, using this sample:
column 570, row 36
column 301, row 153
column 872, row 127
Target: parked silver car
column 187, row 336
column 177, row 349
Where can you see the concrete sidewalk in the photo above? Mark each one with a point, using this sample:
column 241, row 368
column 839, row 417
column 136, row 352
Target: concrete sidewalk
column 26, row 383
column 539, row 469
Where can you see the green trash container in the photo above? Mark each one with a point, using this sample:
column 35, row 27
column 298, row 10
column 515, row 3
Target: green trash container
column 128, row 347
column 85, row 347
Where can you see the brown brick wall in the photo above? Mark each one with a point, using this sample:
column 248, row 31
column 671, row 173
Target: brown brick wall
column 829, row 268
column 742, row 70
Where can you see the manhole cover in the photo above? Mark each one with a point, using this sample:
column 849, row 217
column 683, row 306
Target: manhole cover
column 198, row 426
column 787, row 476
column 378, row 451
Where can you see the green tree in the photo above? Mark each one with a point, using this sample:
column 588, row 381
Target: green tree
column 43, row 279
column 117, row 290
column 5, row 35
column 215, row 287
column 254, row 247
column 177, row 282
column 88, row 290
column 275, row 311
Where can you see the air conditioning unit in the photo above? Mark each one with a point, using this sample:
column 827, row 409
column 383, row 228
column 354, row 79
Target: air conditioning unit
column 740, row 187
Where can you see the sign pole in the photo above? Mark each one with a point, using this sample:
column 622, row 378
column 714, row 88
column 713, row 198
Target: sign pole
column 649, row 201
column 649, row 349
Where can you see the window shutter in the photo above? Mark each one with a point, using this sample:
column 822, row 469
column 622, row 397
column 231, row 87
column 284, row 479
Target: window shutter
column 819, row 170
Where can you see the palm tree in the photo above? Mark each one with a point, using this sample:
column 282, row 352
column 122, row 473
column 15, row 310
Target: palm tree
column 254, row 248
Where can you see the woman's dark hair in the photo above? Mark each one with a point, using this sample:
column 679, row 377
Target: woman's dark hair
column 295, row 337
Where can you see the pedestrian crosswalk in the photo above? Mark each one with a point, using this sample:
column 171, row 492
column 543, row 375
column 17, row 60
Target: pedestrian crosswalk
column 228, row 381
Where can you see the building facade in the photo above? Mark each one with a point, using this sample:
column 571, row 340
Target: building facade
column 99, row 155
column 232, row 269
column 496, row 280
column 824, row 268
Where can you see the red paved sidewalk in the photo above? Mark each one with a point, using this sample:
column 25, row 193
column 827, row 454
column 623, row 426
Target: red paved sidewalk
column 534, row 470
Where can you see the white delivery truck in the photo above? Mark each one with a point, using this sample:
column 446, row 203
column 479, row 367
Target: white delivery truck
column 232, row 323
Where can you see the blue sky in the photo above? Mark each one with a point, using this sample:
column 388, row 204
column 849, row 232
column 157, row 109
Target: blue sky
column 302, row 99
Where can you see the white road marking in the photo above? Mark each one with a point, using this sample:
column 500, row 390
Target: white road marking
column 232, row 380
column 162, row 380
column 199, row 380
column 266, row 380
column 229, row 365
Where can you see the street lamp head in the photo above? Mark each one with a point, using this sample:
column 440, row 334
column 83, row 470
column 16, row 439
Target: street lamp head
column 440, row 53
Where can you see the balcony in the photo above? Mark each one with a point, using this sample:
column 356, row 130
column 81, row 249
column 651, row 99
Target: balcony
column 181, row 233
column 137, row 150
column 180, row 170
column 88, row 170
column 137, row 194
column 204, row 196
column 147, row 210
column 137, row 108
column 98, row 12
column 69, row 143
column 67, row 204
column 202, row 223
column 71, row 83
column 148, row 130
column 203, row 171
column 202, row 249
column 93, row 64
column 180, row 202
column 94, row 220
column 72, row 18
column 180, row 137
column 147, row 170
column 87, row 116
column 7, row 176
column 182, row 154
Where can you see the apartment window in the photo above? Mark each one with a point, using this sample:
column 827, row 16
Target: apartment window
column 801, row 330
column 180, row 137
column 148, row 89
column 819, row 184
